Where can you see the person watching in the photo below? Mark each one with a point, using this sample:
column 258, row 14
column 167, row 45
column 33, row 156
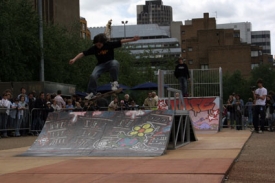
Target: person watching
column 260, row 99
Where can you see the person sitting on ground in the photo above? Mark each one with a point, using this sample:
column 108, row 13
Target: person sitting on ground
column 150, row 103
column 113, row 105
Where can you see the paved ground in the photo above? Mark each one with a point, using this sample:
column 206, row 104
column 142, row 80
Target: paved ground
column 206, row 160
column 256, row 162
column 16, row 142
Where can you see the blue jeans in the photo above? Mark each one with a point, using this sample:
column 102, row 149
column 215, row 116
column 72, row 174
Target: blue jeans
column 111, row 66
column 250, row 117
column 183, row 85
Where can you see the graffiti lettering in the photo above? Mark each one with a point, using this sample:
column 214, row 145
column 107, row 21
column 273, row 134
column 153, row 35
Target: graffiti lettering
column 198, row 105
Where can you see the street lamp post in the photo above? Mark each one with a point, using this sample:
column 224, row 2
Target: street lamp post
column 124, row 23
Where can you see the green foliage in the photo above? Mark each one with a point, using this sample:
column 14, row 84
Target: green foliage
column 265, row 72
column 240, row 85
column 235, row 83
column 19, row 41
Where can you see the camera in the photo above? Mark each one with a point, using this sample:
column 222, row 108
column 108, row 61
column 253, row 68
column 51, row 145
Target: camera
column 253, row 88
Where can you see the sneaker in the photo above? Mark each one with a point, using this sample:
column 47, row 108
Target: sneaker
column 260, row 131
column 114, row 85
column 89, row 97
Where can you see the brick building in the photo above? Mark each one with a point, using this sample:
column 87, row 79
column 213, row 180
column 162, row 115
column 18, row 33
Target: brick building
column 85, row 32
column 205, row 47
column 61, row 12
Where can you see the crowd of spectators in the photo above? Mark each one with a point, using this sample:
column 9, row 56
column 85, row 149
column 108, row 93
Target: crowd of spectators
column 27, row 113
column 237, row 115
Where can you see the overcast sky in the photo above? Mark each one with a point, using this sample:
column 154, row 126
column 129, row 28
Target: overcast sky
column 261, row 13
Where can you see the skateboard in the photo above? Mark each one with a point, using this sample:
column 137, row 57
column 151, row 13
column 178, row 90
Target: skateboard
column 107, row 94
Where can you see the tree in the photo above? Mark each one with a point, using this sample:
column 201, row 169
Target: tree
column 19, row 41
column 235, row 83
column 265, row 72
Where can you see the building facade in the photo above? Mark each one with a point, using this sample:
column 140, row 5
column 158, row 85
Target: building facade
column 245, row 29
column 84, row 32
column 154, row 12
column 262, row 39
column 204, row 46
column 155, row 41
column 60, row 12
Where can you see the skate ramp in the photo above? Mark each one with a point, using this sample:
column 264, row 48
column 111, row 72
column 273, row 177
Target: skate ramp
column 104, row 133
column 204, row 112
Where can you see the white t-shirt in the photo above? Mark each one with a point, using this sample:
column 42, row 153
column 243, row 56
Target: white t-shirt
column 261, row 91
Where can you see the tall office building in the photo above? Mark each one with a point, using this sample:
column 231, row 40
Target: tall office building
column 262, row 39
column 154, row 12
column 155, row 40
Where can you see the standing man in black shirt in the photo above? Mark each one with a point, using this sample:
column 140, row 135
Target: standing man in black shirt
column 104, row 52
column 182, row 74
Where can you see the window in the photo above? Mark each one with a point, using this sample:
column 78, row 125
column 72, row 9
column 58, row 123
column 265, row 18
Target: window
column 248, row 30
column 190, row 49
column 183, row 51
column 183, row 32
column 158, row 45
column 254, row 53
column 204, row 66
column 254, row 65
column 190, row 62
column 235, row 26
column 236, row 35
column 183, row 41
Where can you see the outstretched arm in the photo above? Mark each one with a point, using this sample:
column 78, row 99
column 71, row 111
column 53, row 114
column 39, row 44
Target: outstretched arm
column 129, row 40
column 78, row 56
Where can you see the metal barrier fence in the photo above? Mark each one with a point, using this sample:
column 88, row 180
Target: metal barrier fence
column 14, row 122
column 203, row 82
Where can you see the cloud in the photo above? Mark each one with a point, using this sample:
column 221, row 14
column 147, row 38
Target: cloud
column 259, row 12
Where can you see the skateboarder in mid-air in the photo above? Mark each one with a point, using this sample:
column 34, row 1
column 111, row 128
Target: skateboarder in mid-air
column 104, row 52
